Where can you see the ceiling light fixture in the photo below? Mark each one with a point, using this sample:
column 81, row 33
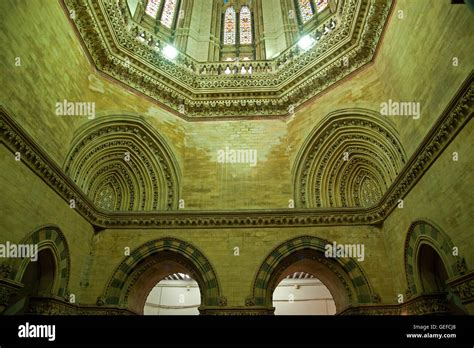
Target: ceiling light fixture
column 305, row 42
column 170, row 52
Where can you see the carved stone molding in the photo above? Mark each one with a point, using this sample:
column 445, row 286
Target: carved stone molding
column 250, row 301
column 461, row 266
column 456, row 115
column 5, row 270
column 422, row 232
column 131, row 54
column 420, row 305
column 146, row 181
column 426, row 304
column 353, row 284
column 120, row 286
column 222, row 301
column 463, row 286
column 347, row 149
column 55, row 306
column 100, row 301
column 376, row 298
column 8, row 288
column 236, row 311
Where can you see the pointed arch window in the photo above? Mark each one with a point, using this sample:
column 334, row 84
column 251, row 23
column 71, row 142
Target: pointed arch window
column 169, row 11
column 306, row 10
column 163, row 10
column 229, row 26
column 321, row 5
column 152, row 8
column 245, row 26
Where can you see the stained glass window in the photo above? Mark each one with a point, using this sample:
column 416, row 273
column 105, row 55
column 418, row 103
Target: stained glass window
column 229, row 26
column 306, row 10
column 152, row 8
column 169, row 10
column 245, row 26
column 321, row 5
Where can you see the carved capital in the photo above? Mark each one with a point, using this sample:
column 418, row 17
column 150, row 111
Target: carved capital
column 5, row 270
column 222, row 301
column 250, row 301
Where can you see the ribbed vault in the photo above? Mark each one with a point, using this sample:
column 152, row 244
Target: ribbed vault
column 123, row 164
column 349, row 160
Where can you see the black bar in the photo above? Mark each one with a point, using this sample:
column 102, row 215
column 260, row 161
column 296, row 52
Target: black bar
column 135, row 331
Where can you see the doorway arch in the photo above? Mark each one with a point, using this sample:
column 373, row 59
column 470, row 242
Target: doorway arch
column 431, row 270
column 301, row 293
column 176, row 294
column 138, row 273
column 343, row 277
column 431, row 264
column 420, row 234
column 47, row 276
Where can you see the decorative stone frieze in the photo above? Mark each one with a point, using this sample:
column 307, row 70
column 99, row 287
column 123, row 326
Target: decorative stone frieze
column 457, row 114
column 131, row 54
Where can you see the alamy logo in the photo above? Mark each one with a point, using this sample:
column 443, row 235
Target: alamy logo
column 228, row 155
column 335, row 250
column 67, row 108
column 22, row 251
column 393, row 108
column 37, row 331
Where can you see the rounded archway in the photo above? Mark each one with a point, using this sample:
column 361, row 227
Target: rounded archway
column 431, row 262
column 39, row 279
column 433, row 277
column 349, row 159
column 152, row 271
column 313, row 262
column 123, row 164
column 140, row 272
column 343, row 278
column 431, row 270
column 44, row 274
column 301, row 293
column 176, row 294
column 427, row 243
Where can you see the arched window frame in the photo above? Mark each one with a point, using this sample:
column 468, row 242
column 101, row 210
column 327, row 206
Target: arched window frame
column 152, row 8
column 245, row 13
column 305, row 10
column 321, row 5
column 238, row 49
column 316, row 7
column 229, row 36
column 171, row 22
column 160, row 8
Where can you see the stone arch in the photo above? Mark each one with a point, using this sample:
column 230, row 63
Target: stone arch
column 344, row 278
column 150, row 263
column 423, row 232
column 349, row 160
column 146, row 180
column 51, row 238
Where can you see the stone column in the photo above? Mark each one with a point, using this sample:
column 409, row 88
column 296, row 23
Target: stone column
column 259, row 40
column 183, row 23
column 215, row 32
column 290, row 21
